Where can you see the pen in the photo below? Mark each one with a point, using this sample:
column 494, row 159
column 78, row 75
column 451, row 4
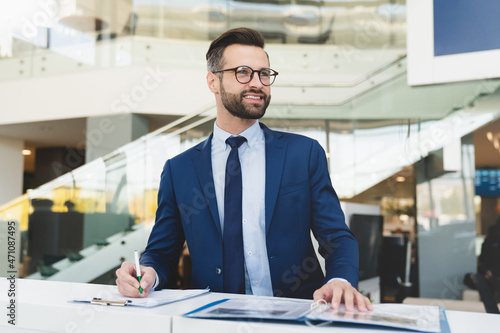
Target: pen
column 138, row 269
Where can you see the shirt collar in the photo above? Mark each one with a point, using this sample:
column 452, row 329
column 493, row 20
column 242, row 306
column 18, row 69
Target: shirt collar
column 252, row 134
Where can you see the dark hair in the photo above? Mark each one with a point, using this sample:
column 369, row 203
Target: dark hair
column 243, row 36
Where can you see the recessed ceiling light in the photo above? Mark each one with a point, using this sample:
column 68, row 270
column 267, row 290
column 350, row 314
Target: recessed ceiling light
column 400, row 179
column 26, row 152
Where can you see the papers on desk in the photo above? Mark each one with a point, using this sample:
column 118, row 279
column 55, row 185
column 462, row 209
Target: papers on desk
column 155, row 298
column 410, row 317
column 413, row 317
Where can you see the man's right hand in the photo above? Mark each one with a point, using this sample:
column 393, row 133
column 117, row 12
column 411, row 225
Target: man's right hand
column 126, row 280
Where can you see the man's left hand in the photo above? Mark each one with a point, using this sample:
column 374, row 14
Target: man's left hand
column 338, row 291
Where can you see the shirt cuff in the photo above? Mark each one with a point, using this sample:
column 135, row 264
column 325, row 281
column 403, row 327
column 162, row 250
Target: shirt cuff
column 157, row 281
column 340, row 279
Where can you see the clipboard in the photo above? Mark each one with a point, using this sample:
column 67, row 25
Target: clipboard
column 101, row 301
column 155, row 298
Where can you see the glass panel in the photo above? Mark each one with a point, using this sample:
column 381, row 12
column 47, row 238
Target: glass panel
column 55, row 37
column 367, row 24
column 89, row 187
column 181, row 19
column 446, row 224
column 99, row 204
column 342, row 154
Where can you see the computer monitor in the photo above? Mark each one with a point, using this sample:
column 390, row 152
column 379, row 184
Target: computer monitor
column 487, row 182
column 368, row 232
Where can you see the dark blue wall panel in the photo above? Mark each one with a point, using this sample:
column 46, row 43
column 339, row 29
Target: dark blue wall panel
column 462, row 26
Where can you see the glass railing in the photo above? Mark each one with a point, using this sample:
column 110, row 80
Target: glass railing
column 357, row 23
column 55, row 37
column 89, row 205
column 363, row 153
column 92, row 203
column 55, row 24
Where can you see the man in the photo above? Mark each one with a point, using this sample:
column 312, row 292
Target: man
column 246, row 199
column 489, row 259
column 487, row 279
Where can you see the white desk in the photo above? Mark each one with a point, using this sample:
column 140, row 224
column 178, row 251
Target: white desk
column 44, row 306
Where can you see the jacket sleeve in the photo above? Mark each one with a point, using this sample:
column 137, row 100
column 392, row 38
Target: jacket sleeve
column 336, row 242
column 167, row 237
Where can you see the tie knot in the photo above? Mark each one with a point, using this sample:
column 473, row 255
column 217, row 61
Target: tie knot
column 235, row 141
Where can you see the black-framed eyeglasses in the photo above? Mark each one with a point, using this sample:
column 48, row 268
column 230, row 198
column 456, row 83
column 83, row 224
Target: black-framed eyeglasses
column 244, row 74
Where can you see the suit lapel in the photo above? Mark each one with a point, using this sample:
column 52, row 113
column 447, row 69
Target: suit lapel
column 203, row 166
column 275, row 157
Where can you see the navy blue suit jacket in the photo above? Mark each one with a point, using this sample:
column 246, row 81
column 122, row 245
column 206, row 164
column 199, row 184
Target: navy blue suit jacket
column 298, row 197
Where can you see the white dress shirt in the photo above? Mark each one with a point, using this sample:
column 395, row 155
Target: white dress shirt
column 252, row 154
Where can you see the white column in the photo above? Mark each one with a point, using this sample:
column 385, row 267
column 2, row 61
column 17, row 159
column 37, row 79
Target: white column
column 107, row 133
column 11, row 169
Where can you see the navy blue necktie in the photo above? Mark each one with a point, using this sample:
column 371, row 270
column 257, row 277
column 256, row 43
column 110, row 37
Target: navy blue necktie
column 234, row 269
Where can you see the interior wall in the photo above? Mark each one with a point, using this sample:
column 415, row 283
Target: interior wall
column 52, row 162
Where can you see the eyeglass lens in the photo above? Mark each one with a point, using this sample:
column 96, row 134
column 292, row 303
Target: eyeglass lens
column 245, row 75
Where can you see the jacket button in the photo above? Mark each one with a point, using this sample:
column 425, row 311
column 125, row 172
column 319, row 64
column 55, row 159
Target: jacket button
column 218, row 270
